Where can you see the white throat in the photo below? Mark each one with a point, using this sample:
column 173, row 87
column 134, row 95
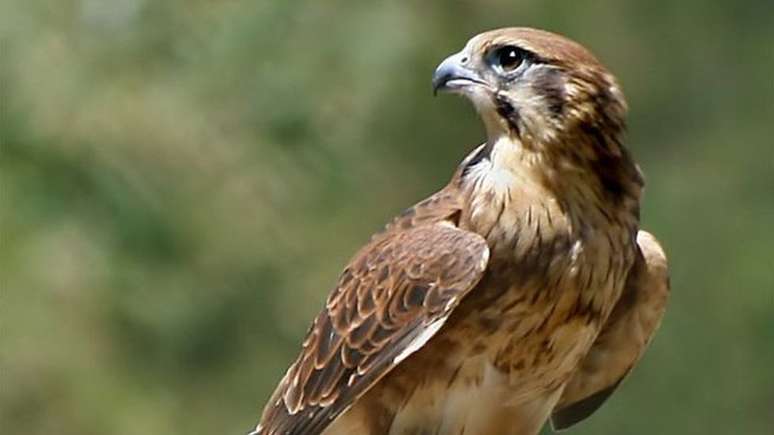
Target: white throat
column 508, row 165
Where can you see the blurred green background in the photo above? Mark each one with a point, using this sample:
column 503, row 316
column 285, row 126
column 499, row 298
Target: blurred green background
column 182, row 181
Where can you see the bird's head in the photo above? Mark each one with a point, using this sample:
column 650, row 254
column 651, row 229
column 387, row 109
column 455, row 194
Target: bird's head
column 551, row 97
column 535, row 85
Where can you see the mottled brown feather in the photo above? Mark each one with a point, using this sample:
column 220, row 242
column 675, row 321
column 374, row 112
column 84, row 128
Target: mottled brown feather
column 394, row 291
column 623, row 339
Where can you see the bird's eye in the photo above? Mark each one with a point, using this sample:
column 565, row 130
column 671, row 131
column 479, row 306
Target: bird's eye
column 508, row 58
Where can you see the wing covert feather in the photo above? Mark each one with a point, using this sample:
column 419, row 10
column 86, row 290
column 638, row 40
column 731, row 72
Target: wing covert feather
column 392, row 297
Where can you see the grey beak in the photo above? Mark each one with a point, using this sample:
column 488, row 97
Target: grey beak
column 452, row 74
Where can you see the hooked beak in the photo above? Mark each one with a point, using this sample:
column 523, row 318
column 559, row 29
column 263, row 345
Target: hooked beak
column 452, row 74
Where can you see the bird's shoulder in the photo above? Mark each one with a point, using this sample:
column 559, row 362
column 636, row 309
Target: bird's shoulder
column 448, row 204
column 444, row 205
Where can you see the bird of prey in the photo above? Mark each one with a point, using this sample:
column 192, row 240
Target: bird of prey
column 523, row 291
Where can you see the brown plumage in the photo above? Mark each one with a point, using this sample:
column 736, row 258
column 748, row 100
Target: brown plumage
column 523, row 291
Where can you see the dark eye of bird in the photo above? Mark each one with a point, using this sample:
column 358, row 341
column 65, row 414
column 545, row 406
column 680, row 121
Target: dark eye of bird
column 509, row 57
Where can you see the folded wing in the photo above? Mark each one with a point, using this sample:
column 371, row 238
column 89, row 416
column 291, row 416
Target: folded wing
column 623, row 339
column 391, row 299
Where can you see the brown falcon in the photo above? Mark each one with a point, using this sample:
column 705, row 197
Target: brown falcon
column 523, row 291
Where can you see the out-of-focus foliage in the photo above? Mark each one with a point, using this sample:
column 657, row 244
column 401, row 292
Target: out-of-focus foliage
column 183, row 180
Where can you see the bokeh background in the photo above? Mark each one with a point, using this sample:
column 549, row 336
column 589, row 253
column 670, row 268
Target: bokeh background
column 183, row 180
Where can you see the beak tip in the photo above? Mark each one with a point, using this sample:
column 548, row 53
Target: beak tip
column 437, row 83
